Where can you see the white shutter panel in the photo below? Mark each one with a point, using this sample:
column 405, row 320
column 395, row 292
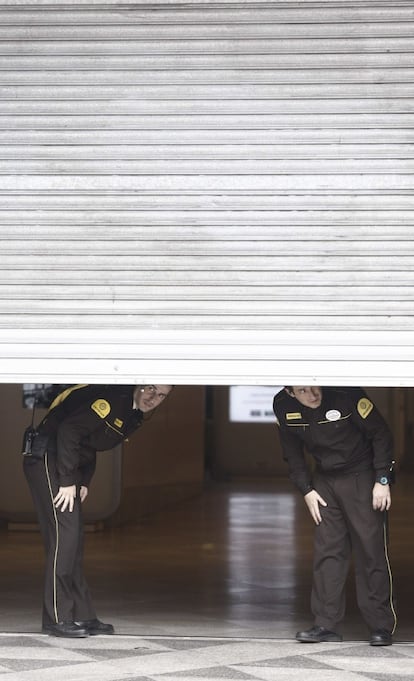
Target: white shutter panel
column 207, row 193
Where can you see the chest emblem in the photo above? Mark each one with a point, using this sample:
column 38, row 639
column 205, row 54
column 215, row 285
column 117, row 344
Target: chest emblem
column 333, row 415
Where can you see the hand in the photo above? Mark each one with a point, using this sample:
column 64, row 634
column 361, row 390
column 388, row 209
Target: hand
column 65, row 498
column 381, row 497
column 83, row 493
column 313, row 500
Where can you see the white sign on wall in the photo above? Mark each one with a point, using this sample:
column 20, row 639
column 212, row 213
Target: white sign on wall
column 252, row 404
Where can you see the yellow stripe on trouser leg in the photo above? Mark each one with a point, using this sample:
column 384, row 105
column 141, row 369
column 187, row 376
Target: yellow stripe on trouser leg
column 57, row 540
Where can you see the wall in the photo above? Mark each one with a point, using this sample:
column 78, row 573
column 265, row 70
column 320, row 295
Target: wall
column 240, row 449
column 163, row 462
column 246, row 450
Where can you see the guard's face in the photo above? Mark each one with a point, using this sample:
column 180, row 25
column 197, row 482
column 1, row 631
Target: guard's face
column 147, row 397
column 308, row 395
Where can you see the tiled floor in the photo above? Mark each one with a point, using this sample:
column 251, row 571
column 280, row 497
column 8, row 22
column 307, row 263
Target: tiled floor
column 136, row 658
column 214, row 588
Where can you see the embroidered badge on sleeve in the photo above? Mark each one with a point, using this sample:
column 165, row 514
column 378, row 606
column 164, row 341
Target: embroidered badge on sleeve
column 101, row 407
column 364, row 407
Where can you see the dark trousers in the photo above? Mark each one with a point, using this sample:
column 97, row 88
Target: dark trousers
column 66, row 594
column 350, row 525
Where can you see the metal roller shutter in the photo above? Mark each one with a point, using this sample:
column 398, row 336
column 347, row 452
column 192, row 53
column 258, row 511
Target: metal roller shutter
column 207, row 192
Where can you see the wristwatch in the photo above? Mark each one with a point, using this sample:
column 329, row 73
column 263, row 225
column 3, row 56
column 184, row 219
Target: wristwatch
column 384, row 480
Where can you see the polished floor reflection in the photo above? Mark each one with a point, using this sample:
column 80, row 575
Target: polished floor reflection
column 234, row 562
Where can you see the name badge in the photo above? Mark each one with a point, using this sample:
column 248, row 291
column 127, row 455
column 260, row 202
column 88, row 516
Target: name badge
column 333, row 415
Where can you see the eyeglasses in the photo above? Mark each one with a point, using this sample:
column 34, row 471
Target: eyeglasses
column 151, row 391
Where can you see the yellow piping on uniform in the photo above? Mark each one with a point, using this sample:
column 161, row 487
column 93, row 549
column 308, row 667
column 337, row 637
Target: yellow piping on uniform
column 64, row 394
column 342, row 418
column 390, row 576
column 119, row 432
column 57, row 541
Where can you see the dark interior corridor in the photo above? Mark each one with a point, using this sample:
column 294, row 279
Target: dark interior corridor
column 234, row 561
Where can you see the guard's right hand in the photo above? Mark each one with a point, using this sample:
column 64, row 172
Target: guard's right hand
column 65, row 498
column 83, row 493
column 313, row 501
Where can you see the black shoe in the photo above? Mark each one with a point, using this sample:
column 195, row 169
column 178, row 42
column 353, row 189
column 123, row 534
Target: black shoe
column 381, row 637
column 96, row 627
column 66, row 629
column 317, row 635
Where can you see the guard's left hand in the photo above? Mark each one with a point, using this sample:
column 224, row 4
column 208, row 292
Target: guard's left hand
column 381, row 497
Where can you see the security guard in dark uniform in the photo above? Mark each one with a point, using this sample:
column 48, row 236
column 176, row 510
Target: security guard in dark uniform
column 82, row 420
column 348, row 496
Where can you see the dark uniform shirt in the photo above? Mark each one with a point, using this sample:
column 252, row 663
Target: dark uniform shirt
column 84, row 420
column 345, row 434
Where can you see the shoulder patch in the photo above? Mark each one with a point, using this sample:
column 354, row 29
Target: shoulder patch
column 293, row 415
column 101, row 407
column 364, row 407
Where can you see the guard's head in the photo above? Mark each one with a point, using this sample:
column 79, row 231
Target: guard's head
column 308, row 395
column 147, row 397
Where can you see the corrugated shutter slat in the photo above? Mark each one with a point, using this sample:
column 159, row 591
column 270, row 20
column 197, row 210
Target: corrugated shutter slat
column 207, row 192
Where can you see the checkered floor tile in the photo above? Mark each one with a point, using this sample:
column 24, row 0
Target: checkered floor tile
column 135, row 658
